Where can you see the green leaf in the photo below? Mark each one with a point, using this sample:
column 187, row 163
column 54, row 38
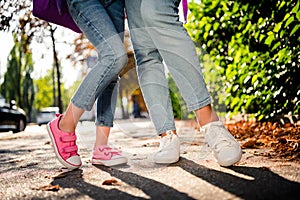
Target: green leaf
column 254, row 78
column 247, row 27
column 235, row 101
column 260, row 20
column 269, row 39
column 282, row 32
column 205, row 35
column 261, row 36
column 277, row 27
column 207, row 27
column 298, row 15
column 260, row 117
column 216, row 26
column 257, row 34
column 295, row 29
column 282, row 4
column 289, row 21
column 286, row 16
column 235, row 88
column 235, row 7
column 276, row 45
column 296, row 8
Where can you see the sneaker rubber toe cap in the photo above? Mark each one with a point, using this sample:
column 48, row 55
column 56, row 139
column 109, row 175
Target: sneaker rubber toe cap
column 229, row 156
column 75, row 161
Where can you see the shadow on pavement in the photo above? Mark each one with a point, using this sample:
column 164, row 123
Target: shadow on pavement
column 154, row 189
column 244, row 182
column 261, row 184
column 73, row 179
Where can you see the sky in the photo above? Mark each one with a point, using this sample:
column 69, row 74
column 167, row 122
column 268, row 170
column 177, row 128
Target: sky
column 43, row 54
column 6, row 45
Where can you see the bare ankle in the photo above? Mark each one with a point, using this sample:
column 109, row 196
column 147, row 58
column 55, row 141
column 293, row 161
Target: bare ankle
column 170, row 131
column 65, row 126
column 100, row 143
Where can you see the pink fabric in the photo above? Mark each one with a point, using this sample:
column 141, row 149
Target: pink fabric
column 64, row 142
column 105, row 152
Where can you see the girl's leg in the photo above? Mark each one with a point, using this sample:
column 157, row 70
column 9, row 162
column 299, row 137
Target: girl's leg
column 102, row 134
column 106, row 102
column 70, row 118
column 92, row 18
column 105, row 108
column 103, row 154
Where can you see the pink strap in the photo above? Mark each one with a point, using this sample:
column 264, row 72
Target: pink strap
column 185, row 9
column 112, row 150
column 70, row 149
column 107, row 150
column 71, row 138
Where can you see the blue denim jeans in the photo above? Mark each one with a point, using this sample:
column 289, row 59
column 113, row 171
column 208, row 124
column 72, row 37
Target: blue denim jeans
column 103, row 24
column 158, row 36
column 106, row 102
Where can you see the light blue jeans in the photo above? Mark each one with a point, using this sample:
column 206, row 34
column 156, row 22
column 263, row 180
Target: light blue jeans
column 158, row 35
column 103, row 24
column 106, row 102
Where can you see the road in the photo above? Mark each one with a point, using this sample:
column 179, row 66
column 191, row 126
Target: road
column 29, row 169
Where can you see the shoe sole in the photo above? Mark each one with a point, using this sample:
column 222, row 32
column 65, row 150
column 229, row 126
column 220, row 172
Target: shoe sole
column 230, row 162
column 109, row 163
column 61, row 160
column 167, row 161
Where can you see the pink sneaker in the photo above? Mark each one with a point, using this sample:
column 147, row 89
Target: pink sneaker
column 64, row 144
column 105, row 155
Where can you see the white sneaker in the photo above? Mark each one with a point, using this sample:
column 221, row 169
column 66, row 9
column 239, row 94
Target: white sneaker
column 225, row 148
column 169, row 149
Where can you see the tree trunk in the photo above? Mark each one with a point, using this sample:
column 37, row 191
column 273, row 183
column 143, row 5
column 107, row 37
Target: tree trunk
column 59, row 99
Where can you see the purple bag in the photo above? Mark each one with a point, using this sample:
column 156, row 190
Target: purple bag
column 55, row 11
column 185, row 9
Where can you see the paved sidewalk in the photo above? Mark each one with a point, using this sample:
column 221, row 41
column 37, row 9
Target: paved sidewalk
column 29, row 169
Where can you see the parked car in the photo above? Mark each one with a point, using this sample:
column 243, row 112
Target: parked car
column 12, row 118
column 46, row 115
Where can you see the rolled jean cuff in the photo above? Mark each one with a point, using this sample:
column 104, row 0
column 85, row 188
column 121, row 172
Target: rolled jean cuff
column 199, row 105
column 81, row 106
column 165, row 129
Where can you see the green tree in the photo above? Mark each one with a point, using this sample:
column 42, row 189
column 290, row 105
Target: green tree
column 255, row 47
column 16, row 17
column 28, row 86
column 18, row 84
column 44, row 91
